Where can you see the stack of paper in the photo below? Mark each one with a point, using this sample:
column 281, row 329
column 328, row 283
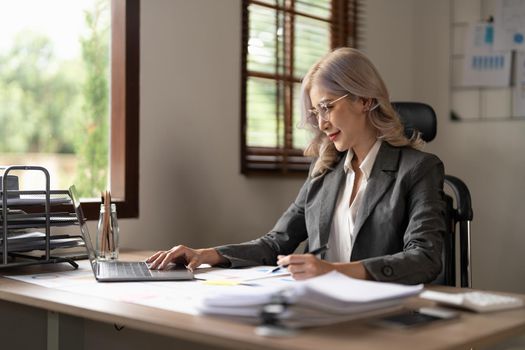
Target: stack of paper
column 325, row 299
column 27, row 241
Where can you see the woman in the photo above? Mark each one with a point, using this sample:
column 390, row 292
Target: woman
column 371, row 195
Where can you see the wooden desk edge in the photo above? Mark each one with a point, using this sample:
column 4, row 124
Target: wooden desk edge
column 202, row 329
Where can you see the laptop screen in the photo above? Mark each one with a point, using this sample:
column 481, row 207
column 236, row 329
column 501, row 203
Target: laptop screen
column 83, row 225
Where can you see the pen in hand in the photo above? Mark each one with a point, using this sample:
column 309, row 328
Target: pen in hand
column 317, row 251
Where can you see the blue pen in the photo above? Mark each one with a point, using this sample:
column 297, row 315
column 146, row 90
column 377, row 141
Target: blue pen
column 313, row 252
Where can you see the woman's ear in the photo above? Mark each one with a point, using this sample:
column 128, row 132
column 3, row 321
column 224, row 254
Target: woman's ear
column 367, row 103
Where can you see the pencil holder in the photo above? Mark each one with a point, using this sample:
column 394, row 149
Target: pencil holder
column 107, row 233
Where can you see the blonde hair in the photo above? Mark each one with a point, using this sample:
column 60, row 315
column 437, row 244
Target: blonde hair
column 347, row 70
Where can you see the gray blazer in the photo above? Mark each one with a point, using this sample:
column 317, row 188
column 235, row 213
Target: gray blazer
column 400, row 224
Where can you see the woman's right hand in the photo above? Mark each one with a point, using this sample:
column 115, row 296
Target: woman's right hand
column 180, row 254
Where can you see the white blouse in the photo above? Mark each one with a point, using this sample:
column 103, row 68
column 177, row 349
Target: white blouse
column 342, row 235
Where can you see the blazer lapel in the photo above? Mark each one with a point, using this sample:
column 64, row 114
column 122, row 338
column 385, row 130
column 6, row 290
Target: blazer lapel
column 332, row 183
column 382, row 176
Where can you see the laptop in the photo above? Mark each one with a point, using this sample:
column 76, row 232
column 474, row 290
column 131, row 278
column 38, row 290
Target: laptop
column 123, row 271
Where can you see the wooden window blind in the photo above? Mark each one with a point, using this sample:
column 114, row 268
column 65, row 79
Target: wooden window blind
column 281, row 39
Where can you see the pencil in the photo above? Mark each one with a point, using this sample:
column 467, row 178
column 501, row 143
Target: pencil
column 106, row 221
column 110, row 224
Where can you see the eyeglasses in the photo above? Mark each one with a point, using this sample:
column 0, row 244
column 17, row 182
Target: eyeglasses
column 322, row 111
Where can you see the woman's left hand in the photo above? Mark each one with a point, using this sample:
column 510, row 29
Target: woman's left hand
column 303, row 266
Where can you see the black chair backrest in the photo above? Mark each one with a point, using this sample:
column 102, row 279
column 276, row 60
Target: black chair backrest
column 417, row 116
column 421, row 117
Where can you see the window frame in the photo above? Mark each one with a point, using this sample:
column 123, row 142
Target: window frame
column 125, row 106
column 125, row 103
column 286, row 160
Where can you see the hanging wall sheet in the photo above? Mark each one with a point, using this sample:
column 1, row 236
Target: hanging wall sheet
column 509, row 25
column 484, row 66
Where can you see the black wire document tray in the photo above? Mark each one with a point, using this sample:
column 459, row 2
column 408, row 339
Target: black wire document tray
column 27, row 219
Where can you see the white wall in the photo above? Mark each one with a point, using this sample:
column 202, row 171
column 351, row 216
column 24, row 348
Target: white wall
column 191, row 190
column 390, row 44
column 488, row 156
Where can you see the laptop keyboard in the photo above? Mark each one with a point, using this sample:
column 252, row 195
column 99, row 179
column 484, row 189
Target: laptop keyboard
column 121, row 269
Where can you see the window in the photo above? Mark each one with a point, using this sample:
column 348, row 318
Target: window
column 281, row 39
column 69, row 86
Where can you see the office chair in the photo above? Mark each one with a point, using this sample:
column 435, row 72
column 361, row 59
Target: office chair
column 421, row 117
